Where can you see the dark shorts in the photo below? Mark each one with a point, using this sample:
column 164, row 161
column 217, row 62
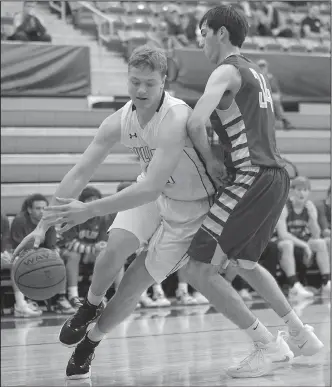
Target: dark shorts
column 243, row 217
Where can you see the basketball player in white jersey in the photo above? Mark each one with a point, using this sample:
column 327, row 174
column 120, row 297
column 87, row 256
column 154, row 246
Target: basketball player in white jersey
column 162, row 212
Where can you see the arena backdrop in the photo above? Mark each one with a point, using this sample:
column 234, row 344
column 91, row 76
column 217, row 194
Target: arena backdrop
column 37, row 70
column 302, row 77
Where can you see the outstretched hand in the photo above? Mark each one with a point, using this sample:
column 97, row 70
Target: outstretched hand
column 32, row 240
column 70, row 213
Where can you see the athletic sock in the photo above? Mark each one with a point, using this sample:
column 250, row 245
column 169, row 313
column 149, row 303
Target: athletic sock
column 258, row 332
column 93, row 299
column 293, row 322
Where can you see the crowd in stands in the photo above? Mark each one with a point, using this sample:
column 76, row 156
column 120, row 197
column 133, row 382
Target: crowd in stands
column 301, row 240
column 26, row 26
column 269, row 19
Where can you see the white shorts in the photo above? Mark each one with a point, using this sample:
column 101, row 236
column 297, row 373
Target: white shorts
column 165, row 227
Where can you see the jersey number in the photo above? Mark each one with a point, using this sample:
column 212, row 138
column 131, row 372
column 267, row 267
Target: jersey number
column 265, row 94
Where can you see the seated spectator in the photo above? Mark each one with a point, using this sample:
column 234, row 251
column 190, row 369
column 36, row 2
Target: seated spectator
column 312, row 26
column 23, row 224
column 82, row 244
column 267, row 18
column 22, row 308
column 300, row 234
column 173, row 19
column 286, row 30
column 276, row 95
column 28, row 27
column 161, row 39
column 324, row 218
column 189, row 23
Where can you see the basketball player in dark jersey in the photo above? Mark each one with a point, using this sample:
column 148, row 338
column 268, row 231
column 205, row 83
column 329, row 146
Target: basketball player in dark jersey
column 247, row 208
column 300, row 236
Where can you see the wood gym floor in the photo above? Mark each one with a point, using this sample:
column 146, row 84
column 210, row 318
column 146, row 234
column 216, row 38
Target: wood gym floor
column 176, row 346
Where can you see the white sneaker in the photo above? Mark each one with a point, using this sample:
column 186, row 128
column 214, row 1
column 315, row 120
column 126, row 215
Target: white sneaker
column 264, row 359
column 200, row 298
column 25, row 310
column 299, row 291
column 244, row 293
column 326, row 289
column 34, row 305
column 184, row 298
column 306, row 343
column 147, row 302
column 160, row 299
column 63, row 306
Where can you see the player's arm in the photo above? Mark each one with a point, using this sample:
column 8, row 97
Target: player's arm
column 171, row 141
column 224, row 78
column 313, row 225
column 109, row 133
column 283, row 231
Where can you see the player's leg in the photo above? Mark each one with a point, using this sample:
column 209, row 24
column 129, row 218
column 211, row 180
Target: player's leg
column 233, row 225
column 206, row 278
column 135, row 281
column 182, row 295
column 319, row 247
column 288, row 265
column 255, row 217
column 130, row 230
column 72, row 262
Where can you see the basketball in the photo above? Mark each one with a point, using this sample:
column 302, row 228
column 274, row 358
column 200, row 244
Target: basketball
column 39, row 274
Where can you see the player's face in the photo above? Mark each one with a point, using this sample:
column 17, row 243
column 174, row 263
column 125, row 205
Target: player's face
column 210, row 43
column 145, row 86
column 37, row 210
column 301, row 194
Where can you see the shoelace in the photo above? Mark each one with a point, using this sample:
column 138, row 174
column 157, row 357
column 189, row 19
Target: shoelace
column 258, row 351
column 82, row 358
column 81, row 314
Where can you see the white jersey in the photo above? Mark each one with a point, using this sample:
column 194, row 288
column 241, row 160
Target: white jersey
column 189, row 181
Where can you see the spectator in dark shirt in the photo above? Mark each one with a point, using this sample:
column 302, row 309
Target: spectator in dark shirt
column 24, row 223
column 312, row 24
column 28, row 27
column 324, row 218
column 286, row 30
column 83, row 243
column 22, row 308
column 276, row 94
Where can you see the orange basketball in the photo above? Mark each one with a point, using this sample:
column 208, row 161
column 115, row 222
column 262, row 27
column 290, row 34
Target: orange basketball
column 39, row 273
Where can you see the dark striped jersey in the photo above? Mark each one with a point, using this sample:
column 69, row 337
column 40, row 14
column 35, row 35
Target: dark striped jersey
column 247, row 128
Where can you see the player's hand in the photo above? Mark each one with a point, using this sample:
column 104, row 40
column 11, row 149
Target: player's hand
column 70, row 213
column 307, row 256
column 217, row 171
column 32, row 240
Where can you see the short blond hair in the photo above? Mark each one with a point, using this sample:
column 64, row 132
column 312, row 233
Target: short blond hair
column 146, row 56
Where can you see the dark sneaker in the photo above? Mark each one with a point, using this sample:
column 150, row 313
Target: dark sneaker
column 79, row 365
column 75, row 327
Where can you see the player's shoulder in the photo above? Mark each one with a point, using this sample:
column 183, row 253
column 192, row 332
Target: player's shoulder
column 20, row 219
